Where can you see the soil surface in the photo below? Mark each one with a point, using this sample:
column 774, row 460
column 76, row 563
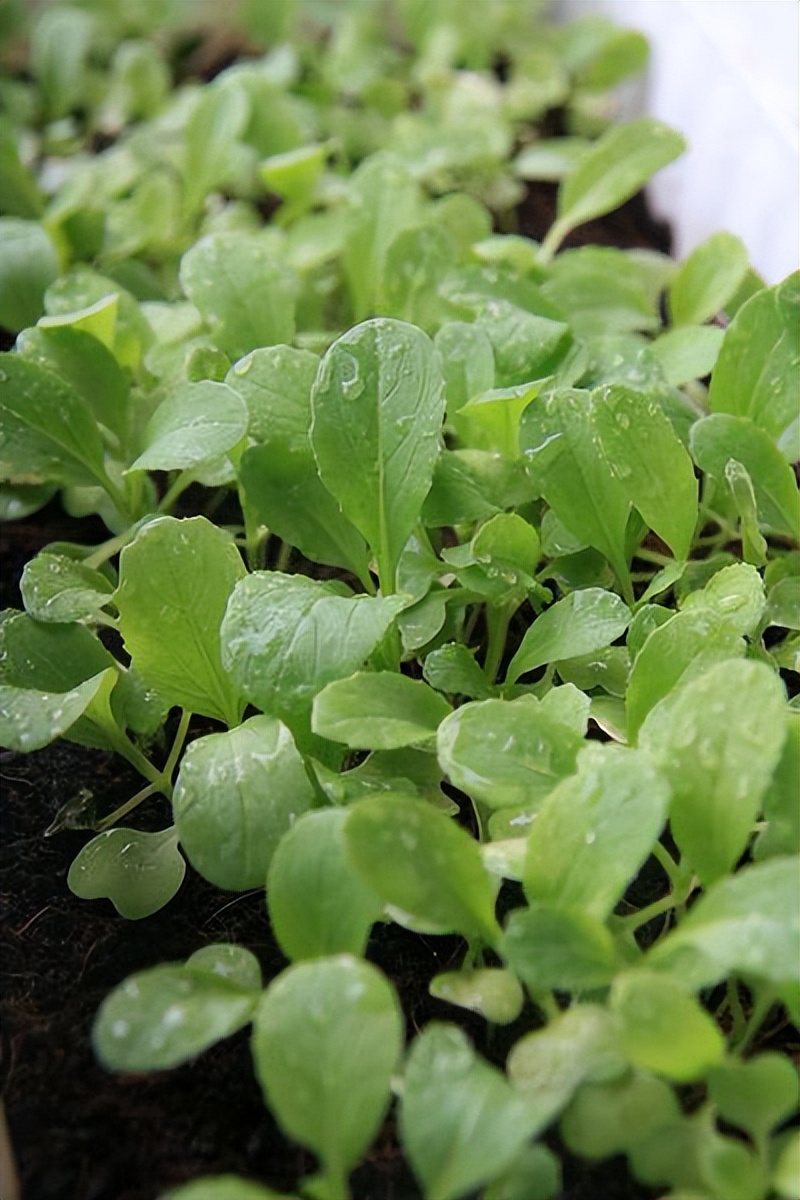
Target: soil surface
column 81, row 1134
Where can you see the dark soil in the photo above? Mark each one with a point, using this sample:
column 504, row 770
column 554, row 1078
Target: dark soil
column 81, row 1134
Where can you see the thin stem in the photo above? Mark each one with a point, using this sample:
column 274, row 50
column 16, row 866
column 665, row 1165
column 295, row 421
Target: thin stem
column 635, row 920
column 117, row 496
column 284, row 554
column 177, row 745
column 127, row 807
column 761, row 1006
column 175, row 489
column 108, row 549
column 552, row 240
column 498, row 617
column 124, row 746
column 653, row 556
column 671, row 868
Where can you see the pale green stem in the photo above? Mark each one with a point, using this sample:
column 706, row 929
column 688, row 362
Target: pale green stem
column 127, row 807
column 498, row 617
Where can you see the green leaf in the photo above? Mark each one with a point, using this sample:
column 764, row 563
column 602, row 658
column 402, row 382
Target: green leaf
column 31, row 719
column 584, row 454
column 549, row 1065
column 717, row 740
column 494, row 993
column 19, row 194
column 718, row 438
column 558, row 948
column 168, row 1015
column 378, row 711
column 285, row 637
column 81, row 360
column 729, row 1168
column 758, row 371
column 781, row 810
column 282, row 490
column 467, row 362
column 378, row 399
column 326, row 1042
column 229, row 961
column 415, row 262
column 602, row 291
column 675, row 651
column 216, row 122
column 786, row 1173
column 174, row 640
column 611, row 171
column 508, row 753
column 385, row 200
column 756, row 1095
column 237, row 793
column 550, row 159
column 490, row 421
column 60, row 44
column 318, row 904
column 534, row 1175
column 461, row 1123
column 57, row 588
column 610, row 1118
column 222, row 1187
column 735, row 593
column 746, row 924
column 275, row 383
column 49, row 432
column 138, row 872
column 708, row 279
column 594, row 831
column 687, row 353
column 662, row 1028
column 783, row 604
column 452, row 669
column 245, row 292
column 423, row 864
column 28, row 265
column 581, row 623
column 197, row 422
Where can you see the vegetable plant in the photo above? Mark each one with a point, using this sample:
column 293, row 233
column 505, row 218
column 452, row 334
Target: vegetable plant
column 506, row 618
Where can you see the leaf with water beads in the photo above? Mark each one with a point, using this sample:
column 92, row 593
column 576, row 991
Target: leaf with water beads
column 138, row 872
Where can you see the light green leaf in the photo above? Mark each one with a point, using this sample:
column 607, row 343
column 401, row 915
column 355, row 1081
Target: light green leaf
column 327, row 1038
column 758, row 371
column 318, row 904
column 467, row 362
column 718, row 438
column 275, row 383
column 28, row 265
column 49, row 432
column 385, row 199
column 415, row 262
column 616, row 166
column 197, row 422
column 282, row 490
column 31, row 719
column 422, row 864
column 550, row 159
column 216, row 123
column 511, row 752
column 736, row 594
column 243, row 290
column 167, row 1015
column 286, row 636
column 87, row 365
column 662, row 1028
column 378, row 711
column 682, row 647
column 222, row 1187
column 786, row 1173
column 60, row 43
column 237, row 793
column 558, row 948
column 756, row 1095
column 378, row 399
column 783, row 603
column 610, row 1118
column 708, row 279
column 583, row 453
column 745, row 924
column 57, row 588
column 138, row 872
column 781, row 810
column 594, row 831
column 717, row 740
column 491, row 991
column 687, row 353
column 581, row 623
column 549, row 1065
column 490, row 421
column 452, row 669
column 461, row 1123
column 228, row 961
column 173, row 639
